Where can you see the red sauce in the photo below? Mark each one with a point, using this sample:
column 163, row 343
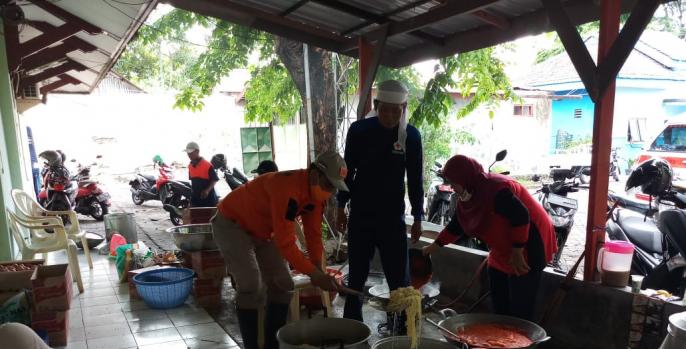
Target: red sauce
column 493, row 336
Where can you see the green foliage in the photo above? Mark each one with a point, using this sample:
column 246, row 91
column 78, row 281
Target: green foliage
column 477, row 75
column 575, row 142
column 271, row 94
column 437, row 141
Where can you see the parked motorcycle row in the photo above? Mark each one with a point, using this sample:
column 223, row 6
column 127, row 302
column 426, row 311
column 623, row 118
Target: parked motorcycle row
column 62, row 192
column 175, row 194
column 656, row 229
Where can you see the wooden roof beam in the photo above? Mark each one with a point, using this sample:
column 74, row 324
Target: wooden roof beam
column 51, row 72
column 73, row 41
column 398, row 10
column 271, row 23
column 373, row 17
column 450, row 9
column 581, row 11
column 64, row 79
column 573, row 43
column 48, row 38
column 66, row 16
column 490, row 17
column 293, row 8
column 609, row 67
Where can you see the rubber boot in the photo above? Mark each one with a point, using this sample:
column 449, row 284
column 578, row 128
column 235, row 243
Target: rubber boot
column 277, row 315
column 248, row 322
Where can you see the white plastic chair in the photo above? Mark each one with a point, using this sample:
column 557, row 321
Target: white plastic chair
column 23, row 230
column 30, row 209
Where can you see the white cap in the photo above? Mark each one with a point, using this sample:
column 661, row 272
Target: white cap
column 191, row 147
column 392, row 91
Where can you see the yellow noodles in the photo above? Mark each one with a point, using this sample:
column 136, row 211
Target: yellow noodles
column 410, row 300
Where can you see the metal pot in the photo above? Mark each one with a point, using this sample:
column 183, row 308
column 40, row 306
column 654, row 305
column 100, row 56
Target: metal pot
column 454, row 321
column 324, row 333
column 403, row 342
column 676, row 332
column 193, row 237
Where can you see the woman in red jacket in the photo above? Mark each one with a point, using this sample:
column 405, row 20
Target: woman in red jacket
column 500, row 212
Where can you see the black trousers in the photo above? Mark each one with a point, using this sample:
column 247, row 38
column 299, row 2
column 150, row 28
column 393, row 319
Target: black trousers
column 516, row 295
column 364, row 237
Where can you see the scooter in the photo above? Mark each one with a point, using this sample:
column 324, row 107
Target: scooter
column 58, row 193
column 560, row 208
column 658, row 238
column 146, row 188
column 179, row 199
column 234, row 178
column 90, row 199
column 439, row 198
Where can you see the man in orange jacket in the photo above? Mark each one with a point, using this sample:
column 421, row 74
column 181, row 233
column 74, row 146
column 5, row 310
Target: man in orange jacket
column 255, row 231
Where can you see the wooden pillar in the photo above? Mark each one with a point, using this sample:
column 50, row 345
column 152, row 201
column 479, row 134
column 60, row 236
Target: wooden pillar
column 366, row 54
column 602, row 144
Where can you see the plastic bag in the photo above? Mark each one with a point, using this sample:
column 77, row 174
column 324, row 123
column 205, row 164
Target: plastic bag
column 15, row 308
column 121, row 261
column 116, row 241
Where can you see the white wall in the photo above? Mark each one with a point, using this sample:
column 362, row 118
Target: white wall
column 128, row 130
column 525, row 138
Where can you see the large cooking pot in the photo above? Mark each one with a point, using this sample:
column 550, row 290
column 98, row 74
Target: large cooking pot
column 193, row 237
column 324, row 333
column 453, row 321
column 403, row 342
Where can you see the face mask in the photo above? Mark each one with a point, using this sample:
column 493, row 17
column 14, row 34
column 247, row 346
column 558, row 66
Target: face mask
column 464, row 196
column 319, row 194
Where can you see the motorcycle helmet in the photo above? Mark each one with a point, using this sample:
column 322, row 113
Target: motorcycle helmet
column 654, row 176
column 157, row 160
column 52, row 158
column 218, row 161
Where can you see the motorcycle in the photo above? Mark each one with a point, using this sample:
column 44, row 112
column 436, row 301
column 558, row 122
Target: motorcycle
column 584, row 172
column 560, row 208
column 147, row 188
column 439, row 198
column 58, row 193
column 234, row 178
column 90, row 199
column 658, row 238
column 179, row 198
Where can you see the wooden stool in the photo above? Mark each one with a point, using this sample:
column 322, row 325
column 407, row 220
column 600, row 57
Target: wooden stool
column 302, row 282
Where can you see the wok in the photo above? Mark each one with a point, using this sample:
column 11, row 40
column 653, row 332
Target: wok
column 453, row 321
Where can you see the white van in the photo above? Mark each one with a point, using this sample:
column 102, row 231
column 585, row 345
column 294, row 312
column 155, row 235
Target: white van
column 669, row 144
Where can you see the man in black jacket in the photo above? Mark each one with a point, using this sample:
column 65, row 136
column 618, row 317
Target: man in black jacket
column 379, row 150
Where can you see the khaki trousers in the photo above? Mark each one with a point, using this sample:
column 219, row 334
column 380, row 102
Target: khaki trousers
column 256, row 266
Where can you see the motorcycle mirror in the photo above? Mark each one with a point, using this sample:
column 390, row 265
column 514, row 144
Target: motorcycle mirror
column 501, row 155
column 73, row 160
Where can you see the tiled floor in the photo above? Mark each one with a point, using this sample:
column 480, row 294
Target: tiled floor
column 104, row 317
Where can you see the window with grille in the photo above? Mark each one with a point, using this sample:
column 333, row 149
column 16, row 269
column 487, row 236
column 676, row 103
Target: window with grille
column 256, row 146
column 523, row 110
column 637, row 130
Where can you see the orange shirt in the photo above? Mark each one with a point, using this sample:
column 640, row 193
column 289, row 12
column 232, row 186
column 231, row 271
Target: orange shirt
column 267, row 206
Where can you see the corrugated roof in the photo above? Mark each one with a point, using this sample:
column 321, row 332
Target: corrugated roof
column 417, row 29
column 644, row 62
column 117, row 19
